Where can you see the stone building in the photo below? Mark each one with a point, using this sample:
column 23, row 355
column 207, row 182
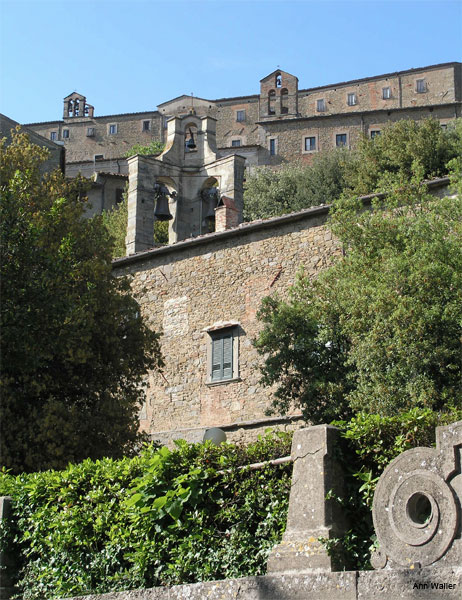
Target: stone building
column 203, row 295
column 279, row 124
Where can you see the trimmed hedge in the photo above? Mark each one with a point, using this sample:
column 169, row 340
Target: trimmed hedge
column 164, row 517
column 168, row 517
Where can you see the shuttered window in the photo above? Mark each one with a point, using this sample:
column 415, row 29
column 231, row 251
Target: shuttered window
column 222, row 355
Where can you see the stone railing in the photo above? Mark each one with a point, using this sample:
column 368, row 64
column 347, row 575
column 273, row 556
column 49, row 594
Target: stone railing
column 417, row 516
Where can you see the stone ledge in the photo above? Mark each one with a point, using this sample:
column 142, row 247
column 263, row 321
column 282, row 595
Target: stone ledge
column 405, row 584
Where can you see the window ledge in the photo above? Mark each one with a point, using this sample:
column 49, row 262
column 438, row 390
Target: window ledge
column 222, row 382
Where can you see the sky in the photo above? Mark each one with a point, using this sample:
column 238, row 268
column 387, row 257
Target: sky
column 131, row 55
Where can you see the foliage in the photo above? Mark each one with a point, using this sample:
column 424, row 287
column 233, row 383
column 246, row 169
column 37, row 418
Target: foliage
column 115, row 221
column 403, row 150
column 163, row 517
column 74, row 347
column 154, row 147
column 381, row 329
column 269, row 193
column 371, row 442
column 304, row 355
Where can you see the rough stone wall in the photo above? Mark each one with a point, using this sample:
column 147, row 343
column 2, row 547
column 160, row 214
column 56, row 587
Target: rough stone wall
column 443, row 90
column 80, row 147
column 290, row 135
column 219, row 278
column 228, row 128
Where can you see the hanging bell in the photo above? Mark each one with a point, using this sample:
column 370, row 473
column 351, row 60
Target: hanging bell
column 190, row 144
column 162, row 212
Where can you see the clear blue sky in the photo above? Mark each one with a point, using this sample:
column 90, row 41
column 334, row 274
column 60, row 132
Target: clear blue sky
column 130, row 55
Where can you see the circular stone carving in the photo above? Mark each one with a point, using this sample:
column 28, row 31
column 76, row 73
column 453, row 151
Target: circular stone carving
column 414, row 511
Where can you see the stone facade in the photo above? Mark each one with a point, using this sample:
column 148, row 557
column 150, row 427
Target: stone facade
column 271, row 126
column 196, row 287
column 56, row 158
column 199, row 291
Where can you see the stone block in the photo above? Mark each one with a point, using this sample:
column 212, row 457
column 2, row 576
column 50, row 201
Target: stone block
column 311, row 515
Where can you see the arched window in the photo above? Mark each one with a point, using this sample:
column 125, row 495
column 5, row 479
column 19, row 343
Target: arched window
column 278, row 81
column 76, row 108
column 284, row 101
column 70, row 108
column 271, row 102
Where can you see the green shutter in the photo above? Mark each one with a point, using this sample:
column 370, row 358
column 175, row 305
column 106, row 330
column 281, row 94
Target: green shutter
column 222, row 355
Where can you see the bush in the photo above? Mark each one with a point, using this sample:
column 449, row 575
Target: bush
column 165, row 517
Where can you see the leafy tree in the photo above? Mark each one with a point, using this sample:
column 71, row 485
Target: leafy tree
column 154, row 147
column 115, row 221
column 269, row 193
column 380, row 330
column 74, row 347
column 403, row 149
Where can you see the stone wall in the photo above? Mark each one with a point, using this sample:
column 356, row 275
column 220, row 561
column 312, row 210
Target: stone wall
column 440, row 97
column 214, row 281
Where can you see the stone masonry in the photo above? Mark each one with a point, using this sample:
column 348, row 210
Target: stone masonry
column 271, row 126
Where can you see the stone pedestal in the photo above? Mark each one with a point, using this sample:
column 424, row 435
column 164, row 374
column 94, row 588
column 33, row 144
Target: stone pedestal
column 311, row 516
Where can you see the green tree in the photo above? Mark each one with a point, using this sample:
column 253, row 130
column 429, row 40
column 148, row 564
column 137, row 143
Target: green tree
column 269, row 192
column 381, row 329
column 74, row 347
column 154, row 147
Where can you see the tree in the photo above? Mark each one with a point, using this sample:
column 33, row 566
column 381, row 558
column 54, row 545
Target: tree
column 74, row 347
column 380, row 330
column 269, row 193
column 154, row 147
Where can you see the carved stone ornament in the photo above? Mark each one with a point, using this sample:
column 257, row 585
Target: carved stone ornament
column 416, row 508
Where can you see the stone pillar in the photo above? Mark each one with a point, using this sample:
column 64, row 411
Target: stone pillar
column 311, row 515
column 6, row 565
column 141, row 204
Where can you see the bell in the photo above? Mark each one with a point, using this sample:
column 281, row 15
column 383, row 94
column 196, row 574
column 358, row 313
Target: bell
column 190, row 145
column 162, row 212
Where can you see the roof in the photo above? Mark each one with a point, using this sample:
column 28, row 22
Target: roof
column 247, row 228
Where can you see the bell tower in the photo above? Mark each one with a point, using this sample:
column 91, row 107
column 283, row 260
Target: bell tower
column 184, row 185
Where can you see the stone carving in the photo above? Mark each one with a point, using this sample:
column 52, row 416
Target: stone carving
column 417, row 505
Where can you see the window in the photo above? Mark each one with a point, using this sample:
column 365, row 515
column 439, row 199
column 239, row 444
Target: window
column 223, row 354
column 271, row 102
column 112, row 129
column 272, row 147
column 421, row 86
column 386, row 93
column 240, row 116
column 341, row 139
column 65, row 134
column 310, row 144
column 284, row 101
column 53, row 136
column 443, row 126
column 90, row 132
column 235, row 143
column 99, row 156
column 146, row 125
column 374, row 133
column 278, row 80
column 119, row 195
column 351, row 100
column 320, row 105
